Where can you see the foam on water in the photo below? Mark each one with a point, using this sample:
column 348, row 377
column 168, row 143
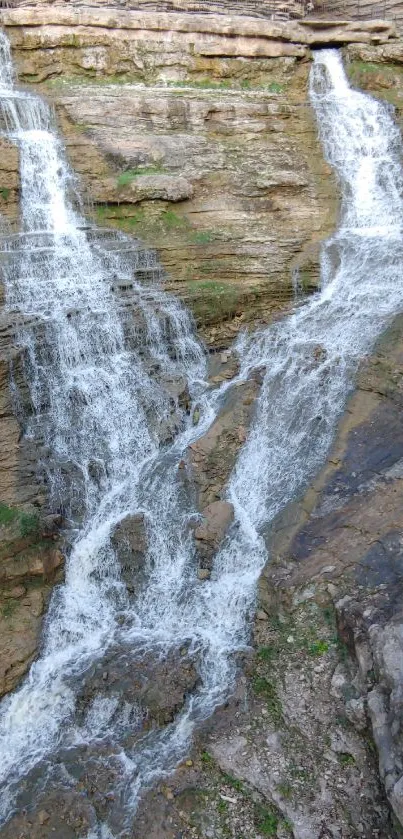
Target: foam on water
column 93, row 394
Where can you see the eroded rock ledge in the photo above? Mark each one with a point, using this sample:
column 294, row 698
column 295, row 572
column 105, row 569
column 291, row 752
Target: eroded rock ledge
column 313, row 33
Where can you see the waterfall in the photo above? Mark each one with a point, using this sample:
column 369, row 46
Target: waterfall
column 94, row 392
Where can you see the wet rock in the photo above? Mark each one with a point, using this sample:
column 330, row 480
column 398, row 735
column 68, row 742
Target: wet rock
column 130, row 542
column 62, row 813
column 154, row 685
column 230, row 186
column 209, row 534
column 211, row 458
column 345, row 539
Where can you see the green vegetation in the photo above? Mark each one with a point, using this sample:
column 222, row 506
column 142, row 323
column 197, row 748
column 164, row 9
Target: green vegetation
column 266, row 654
column 346, row 759
column 226, row 84
column 9, row 607
column 211, row 298
column 91, row 79
column 267, row 691
column 318, row 648
column 4, row 192
column 171, row 219
column 267, row 820
column 7, row 514
column 126, row 177
column 202, row 237
column 202, row 84
column 274, row 87
column 207, row 759
column 233, row 782
column 285, row 790
column 115, row 213
column 222, row 806
column 28, row 523
column 363, row 67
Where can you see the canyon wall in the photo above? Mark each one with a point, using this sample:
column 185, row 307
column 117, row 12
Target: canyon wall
column 195, row 135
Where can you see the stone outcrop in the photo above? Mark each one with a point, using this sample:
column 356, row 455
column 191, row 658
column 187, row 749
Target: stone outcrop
column 211, row 458
column 212, row 158
column 30, row 562
column 130, row 542
column 203, row 145
column 248, row 8
column 209, row 534
column 292, row 754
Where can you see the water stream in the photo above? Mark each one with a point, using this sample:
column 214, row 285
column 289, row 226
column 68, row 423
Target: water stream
column 95, row 395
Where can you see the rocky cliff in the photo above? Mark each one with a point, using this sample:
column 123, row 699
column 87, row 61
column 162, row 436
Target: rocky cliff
column 195, row 134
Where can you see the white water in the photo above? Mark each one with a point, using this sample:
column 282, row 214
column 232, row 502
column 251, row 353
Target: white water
column 84, row 367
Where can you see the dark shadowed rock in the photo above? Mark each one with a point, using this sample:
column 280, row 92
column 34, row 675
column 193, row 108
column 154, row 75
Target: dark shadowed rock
column 130, row 542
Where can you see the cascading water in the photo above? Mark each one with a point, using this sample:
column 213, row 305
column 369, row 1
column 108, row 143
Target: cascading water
column 84, row 363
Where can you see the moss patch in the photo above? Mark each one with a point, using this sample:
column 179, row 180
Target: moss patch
column 126, row 177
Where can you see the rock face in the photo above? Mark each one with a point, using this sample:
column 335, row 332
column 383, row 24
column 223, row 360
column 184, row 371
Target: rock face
column 212, row 157
column 30, row 562
column 203, row 145
column 292, row 755
column 209, row 534
column 130, row 542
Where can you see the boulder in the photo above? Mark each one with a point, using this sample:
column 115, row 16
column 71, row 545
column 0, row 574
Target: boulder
column 130, row 542
column 209, row 534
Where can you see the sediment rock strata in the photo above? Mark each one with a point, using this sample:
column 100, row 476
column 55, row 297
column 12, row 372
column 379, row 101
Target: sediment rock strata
column 212, row 158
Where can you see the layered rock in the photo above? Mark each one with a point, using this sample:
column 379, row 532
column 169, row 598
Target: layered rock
column 212, row 158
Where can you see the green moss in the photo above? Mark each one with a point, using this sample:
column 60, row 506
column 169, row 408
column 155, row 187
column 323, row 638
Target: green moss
column 266, row 820
column 9, row 607
column 29, row 524
column 267, row 691
column 129, row 175
column 82, row 127
column 7, row 514
column 202, row 237
column 202, row 84
column 363, row 67
column 318, row 648
column 80, row 80
column 115, row 213
column 171, row 219
column 345, row 759
column 207, row 83
column 285, row 790
column 207, row 759
column 267, row 654
column 233, row 782
column 274, row 87
column 4, row 192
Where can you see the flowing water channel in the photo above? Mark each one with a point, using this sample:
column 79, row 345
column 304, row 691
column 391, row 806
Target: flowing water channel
column 96, row 364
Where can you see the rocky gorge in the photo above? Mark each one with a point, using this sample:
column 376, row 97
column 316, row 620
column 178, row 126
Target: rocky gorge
column 198, row 139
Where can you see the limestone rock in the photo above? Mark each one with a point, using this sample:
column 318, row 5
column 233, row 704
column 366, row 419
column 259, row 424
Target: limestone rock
column 211, row 458
column 130, row 542
column 158, row 685
column 349, row 528
column 225, row 175
column 208, row 535
column 146, row 188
